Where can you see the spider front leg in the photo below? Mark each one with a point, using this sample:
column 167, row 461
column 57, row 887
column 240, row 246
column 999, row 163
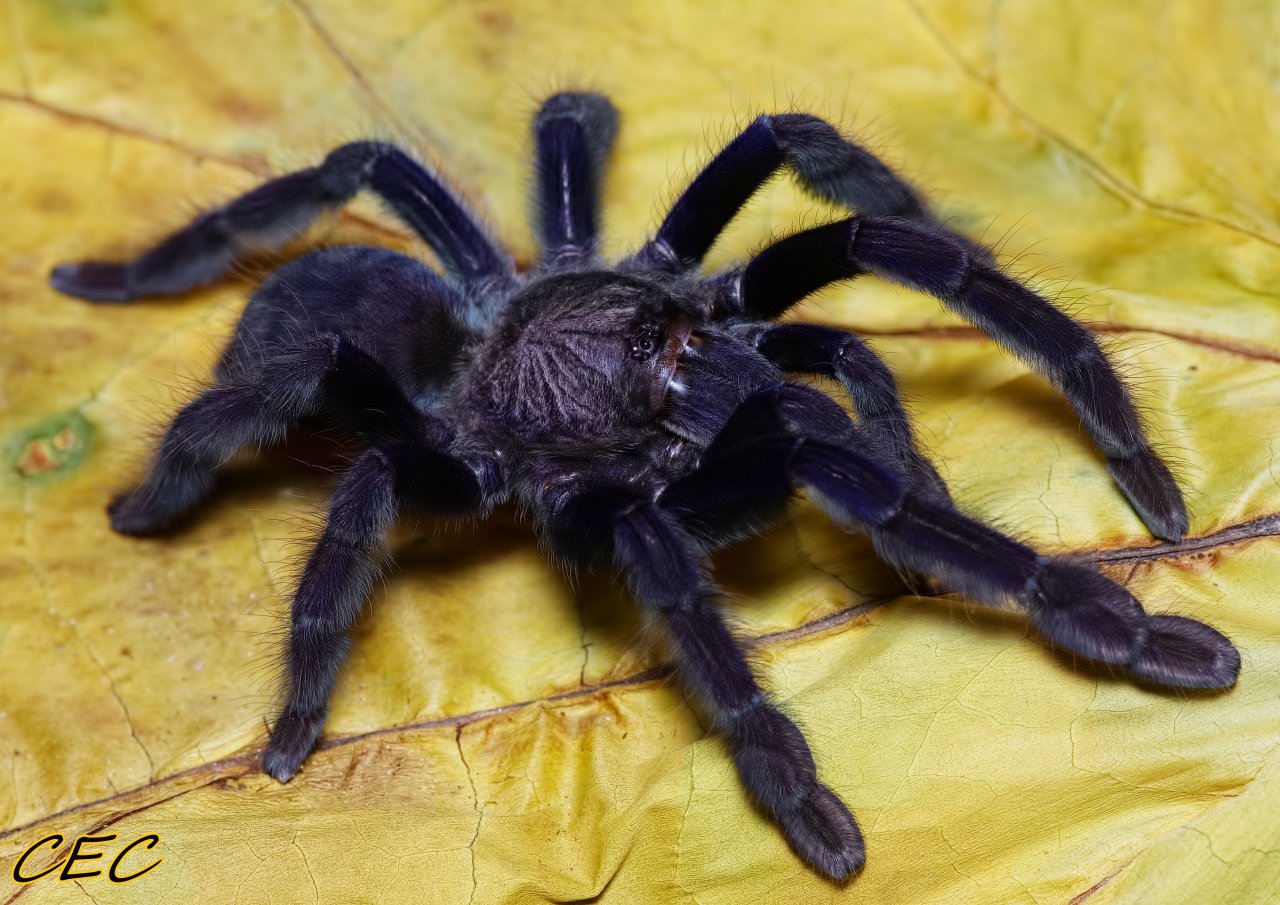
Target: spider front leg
column 269, row 215
column 780, row 438
column 667, row 572
column 822, row 160
column 342, row 567
column 572, row 135
column 927, row 257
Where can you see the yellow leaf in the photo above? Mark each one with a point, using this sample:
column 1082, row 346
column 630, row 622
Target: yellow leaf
column 499, row 735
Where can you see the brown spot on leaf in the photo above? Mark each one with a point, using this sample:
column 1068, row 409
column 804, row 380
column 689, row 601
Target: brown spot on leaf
column 36, row 458
column 242, row 109
column 55, row 201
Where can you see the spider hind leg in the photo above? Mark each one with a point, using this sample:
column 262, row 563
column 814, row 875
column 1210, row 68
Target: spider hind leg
column 1071, row 604
column 666, row 572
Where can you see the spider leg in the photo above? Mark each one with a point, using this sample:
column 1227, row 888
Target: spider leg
column 882, row 420
column 269, row 215
column 825, row 162
column 342, row 568
column 789, row 427
column 572, row 135
column 667, row 573
column 353, row 333
column 752, row 468
column 324, row 371
column 926, row 257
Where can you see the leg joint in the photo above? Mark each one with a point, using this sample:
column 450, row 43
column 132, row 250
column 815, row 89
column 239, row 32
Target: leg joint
column 346, row 169
column 732, row 715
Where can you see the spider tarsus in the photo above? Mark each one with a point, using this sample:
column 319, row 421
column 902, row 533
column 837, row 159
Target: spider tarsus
column 94, row 281
column 824, row 833
column 168, row 494
column 280, row 767
column 1085, row 612
column 836, row 169
column 132, row 518
column 775, row 763
column 1151, row 490
column 594, row 111
column 291, row 741
column 1184, row 653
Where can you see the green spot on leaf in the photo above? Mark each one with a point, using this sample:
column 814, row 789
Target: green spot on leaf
column 79, row 7
column 52, row 447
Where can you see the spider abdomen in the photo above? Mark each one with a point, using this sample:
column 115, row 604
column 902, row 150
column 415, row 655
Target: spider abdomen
column 392, row 307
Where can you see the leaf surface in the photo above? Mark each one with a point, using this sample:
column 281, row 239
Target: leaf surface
column 502, row 735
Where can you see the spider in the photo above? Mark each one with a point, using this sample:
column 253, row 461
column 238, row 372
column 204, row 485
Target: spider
column 638, row 409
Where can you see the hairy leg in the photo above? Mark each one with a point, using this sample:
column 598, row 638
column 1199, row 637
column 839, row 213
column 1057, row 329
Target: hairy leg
column 213, row 427
column 269, row 215
column 324, row 373
column 666, row 571
column 927, row 257
column 780, row 439
column 572, row 135
column 814, row 349
column 827, row 164
column 341, row 570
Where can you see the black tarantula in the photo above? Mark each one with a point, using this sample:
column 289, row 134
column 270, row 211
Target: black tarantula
column 639, row 410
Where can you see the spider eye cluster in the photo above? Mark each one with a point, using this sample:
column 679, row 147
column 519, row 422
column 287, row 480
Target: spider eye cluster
column 646, row 342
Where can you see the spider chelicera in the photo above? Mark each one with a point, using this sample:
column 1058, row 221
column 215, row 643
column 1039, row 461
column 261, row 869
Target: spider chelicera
column 638, row 409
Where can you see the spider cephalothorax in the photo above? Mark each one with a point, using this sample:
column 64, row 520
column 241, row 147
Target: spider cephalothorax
column 638, row 410
column 577, row 360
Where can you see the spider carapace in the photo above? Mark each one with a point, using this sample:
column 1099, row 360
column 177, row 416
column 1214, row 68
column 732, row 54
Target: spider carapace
column 639, row 409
